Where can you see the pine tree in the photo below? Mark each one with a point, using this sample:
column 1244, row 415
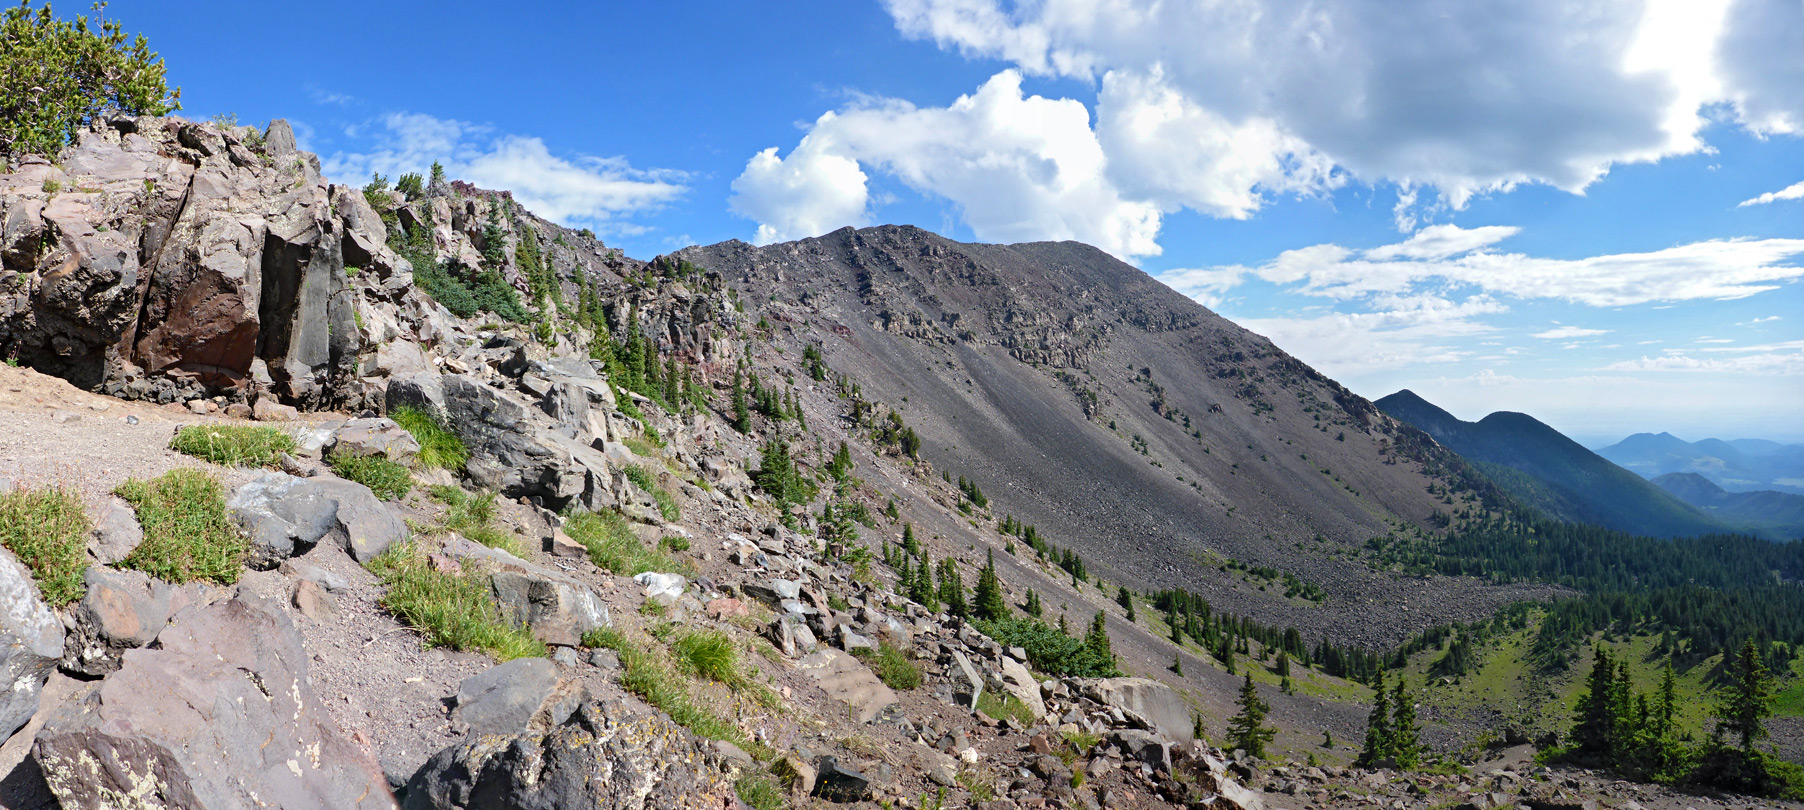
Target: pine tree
column 1378, row 727
column 1406, row 741
column 988, row 598
column 1177, row 664
column 924, row 592
column 1283, row 663
column 1033, row 607
column 742, row 413
column 1126, row 600
column 1747, row 700
column 1097, row 640
column 1247, row 730
column 952, row 588
column 1594, row 726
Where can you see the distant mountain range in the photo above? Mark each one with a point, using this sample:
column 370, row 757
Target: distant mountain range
column 1542, row 468
column 1740, row 465
column 1776, row 515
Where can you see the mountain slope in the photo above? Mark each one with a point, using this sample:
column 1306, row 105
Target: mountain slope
column 1741, row 465
column 1775, row 515
column 1127, row 422
column 1556, row 474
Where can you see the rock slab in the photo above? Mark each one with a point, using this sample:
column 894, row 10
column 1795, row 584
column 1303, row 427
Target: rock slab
column 220, row 715
column 31, row 642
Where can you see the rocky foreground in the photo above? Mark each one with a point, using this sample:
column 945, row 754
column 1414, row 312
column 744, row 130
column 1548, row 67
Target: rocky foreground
column 184, row 276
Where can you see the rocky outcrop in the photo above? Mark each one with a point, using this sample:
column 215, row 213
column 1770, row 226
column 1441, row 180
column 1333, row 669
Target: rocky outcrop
column 525, row 694
column 31, row 641
column 605, row 756
column 121, row 610
column 1149, row 703
column 219, row 715
column 284, row 516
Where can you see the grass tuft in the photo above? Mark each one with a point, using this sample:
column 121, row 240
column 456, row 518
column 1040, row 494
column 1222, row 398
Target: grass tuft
column 474, row 517
column 1002, row 705
column 187, row 535
column 453, row 610
column 710, row 654
column 760, row 792
column 234, row 445
column 646, row 674
column 893, row 667
column 439, row 447
column 48, row 531
column 612, row 544
column 389, row 480
column 645, row 480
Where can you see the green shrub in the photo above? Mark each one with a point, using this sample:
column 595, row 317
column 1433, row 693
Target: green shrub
column 893, row 666
column 389, row 480
column 454, row 610
column 234, row 445
column 650, row 677
column 646, row 480
column 439, row 447
column 187, row 535
column 1049, row 650
column 612, row 544
column 675, row 542
column 48, row 531
column 56, row 76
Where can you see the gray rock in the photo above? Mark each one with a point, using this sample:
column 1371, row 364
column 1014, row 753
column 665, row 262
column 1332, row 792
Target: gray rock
column 31, row 642
column 420, row 390
column 1015, row 679
column 558, row 607
column 1143, row 746
column 116, row 532
column 314, row 602
column 568, row 406
column 375, row 437
column 312, row 573
column 219, row 715
column 838, row 783
column 1149, row 703
column 525, row 694
column 657, row 584
column 283, row 516
column 605, row 756
column 121, row 610
column 967, row 684
column 267, row 409
column 846, row 680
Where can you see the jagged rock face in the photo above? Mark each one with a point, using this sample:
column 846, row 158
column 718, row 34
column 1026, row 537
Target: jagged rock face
column 163, row 258
column 604, row 756
column 220, row 715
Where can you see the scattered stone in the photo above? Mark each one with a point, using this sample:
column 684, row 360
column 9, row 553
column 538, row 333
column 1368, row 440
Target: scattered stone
column 219, row 715
column 967, row 685
column 560, row 544
column 604, row 756
column 313, row 573
column 314, row 602
column 269, row 410
column 64, row 417
column 726, row 608
column 375, row 437
column 605, row 660
column 238, row 410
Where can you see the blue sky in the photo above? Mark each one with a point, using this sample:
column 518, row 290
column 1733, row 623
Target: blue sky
column 1593, row 213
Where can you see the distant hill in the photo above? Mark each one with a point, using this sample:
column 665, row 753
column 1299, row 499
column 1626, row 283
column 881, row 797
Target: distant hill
column 1540, row 467
column 1738, row 465
column 1774, row 515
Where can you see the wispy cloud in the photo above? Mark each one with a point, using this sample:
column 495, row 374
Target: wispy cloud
column 1569, row 332
column 1794, row 191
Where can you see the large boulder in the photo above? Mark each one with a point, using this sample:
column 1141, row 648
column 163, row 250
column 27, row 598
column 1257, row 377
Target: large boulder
column 1153, row 705
column 1014, row 678
column 606, row 756
column 31, row 642
column 218, row 715
column 558, row 607
column 284, row 516
column 375, row 436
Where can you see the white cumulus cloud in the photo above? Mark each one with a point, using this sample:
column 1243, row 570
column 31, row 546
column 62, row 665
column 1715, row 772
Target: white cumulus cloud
column 1569, row 332
column 574, row 190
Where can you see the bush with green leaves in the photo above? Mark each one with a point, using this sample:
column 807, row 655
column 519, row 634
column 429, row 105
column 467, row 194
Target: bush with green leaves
column 473, row 516
column 648, row 675
column 1049, row 650
column 892, row 666
column 48, row 531
column 455, row 610
column 234, row 445
column 187, row 535
column 389, row 480
column 57, row 75
column 643, row 479
column 439, row 447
